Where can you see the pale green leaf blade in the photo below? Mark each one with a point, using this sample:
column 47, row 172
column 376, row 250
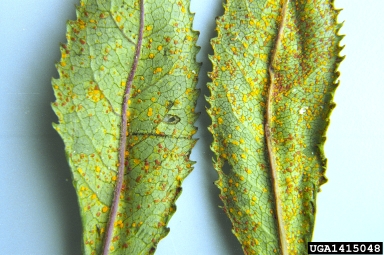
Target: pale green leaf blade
column 271, row 96
column 94, row 69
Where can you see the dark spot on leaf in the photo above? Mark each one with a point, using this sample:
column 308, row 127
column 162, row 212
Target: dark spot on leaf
column 178, row 191
column 152, row 250
column 171, row 119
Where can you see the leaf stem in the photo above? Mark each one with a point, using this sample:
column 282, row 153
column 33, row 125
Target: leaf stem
column 268, row 135
column 123, row 137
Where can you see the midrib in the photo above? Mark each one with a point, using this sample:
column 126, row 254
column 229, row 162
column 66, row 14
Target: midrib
column 268, row 136
column 123, row 137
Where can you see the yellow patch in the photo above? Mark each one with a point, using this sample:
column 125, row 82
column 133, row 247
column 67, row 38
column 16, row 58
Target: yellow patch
column 150, row 112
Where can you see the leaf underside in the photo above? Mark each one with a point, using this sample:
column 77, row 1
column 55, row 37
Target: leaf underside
column 93, row 70
column 271, row 97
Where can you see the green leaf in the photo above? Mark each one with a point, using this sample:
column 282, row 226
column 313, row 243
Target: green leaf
column 274, row 75
column 139, row 56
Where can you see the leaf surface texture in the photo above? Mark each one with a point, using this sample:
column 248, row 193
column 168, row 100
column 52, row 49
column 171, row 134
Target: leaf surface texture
column 273, row 79
column 94, row 70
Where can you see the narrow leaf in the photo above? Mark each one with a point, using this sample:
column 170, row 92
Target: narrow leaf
column 274, row 75
column 125, row 101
